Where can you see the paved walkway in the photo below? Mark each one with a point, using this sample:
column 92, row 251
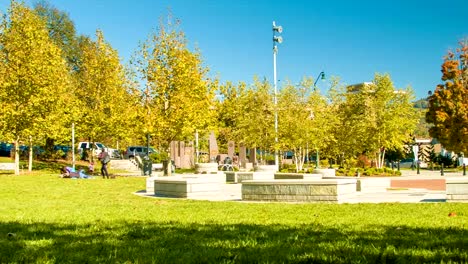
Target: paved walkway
column 430, row 180
column 428, row 186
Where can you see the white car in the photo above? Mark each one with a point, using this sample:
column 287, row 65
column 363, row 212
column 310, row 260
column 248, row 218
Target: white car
column 97, row 148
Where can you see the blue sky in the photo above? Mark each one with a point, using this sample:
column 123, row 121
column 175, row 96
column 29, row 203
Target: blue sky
column 349, row 39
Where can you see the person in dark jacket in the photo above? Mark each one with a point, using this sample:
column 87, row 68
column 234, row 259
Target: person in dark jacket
column 104, row 158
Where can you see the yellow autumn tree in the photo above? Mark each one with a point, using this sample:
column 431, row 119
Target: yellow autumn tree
column 377, row 117
column 177, row 94
column 102, row 89
column 305, row 121
column 33, row 77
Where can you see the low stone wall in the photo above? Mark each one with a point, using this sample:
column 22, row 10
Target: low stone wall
column 7, row 166
column 236, row 177
column 206, row 168
column 456, row 189
column 297, row 176
column 368, row 184
column 266, row 168
column 188, row 186
column 150, row 185
column 299, row 190
column 325, row 172
column 239, row 177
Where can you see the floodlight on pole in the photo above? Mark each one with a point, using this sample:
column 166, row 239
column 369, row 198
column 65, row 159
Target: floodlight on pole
column 276, row 39
column 276, row 28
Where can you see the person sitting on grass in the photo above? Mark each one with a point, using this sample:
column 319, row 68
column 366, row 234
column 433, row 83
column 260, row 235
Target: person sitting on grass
column 68, row 172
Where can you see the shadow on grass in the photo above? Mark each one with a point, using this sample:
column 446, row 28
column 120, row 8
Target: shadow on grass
column 173, row 242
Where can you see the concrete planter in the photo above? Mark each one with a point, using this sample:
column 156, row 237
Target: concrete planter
column 238, row 177
column 456, row 189
column 299, row 190
column 266, row 168
column 206, row 168
column 150, row 184
column 189, row 186
column 368, row 184
column 325, row 172
column 300, row 176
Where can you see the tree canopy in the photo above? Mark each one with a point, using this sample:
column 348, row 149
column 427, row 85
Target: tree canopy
column 378, row 117
column 178, row 95
column 30, row 90
column 448, row 105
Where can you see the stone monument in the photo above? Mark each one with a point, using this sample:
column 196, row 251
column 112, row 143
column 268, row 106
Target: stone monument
column 231, row 149
column 213, row 147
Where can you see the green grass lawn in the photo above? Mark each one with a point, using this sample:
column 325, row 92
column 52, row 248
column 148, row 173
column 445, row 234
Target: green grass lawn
column 45, row 219
column 6, row 159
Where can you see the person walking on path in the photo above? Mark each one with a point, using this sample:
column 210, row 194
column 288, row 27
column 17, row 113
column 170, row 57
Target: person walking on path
column 104, row 158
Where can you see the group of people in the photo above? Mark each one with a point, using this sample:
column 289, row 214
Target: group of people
column 104, row 158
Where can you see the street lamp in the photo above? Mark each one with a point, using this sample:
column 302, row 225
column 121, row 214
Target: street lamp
column 317, row 158
column 276, row 39
column 320, row 76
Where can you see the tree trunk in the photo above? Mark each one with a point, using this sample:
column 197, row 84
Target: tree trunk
column 168, row 169
column 49, row 147
column 30, row 154
column 301, row 159
column 296, row 162
column 380, row 158
column 317, row 162
column 17, row 157
column 383, row 159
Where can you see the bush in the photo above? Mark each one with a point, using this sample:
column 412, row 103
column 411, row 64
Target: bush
column 159, row 157
column 353, row 172
column 363, row 161
column 288, row 168
column 447, row 161
column 324, row 163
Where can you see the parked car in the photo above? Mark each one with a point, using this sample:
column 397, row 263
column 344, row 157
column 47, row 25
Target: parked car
column 133, row 151
column 5, row 149
column 96, row 148
column 410, row 163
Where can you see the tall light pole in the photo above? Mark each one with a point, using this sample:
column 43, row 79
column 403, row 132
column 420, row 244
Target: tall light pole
column 276, row 39
column 73, row 145
column 317, row 157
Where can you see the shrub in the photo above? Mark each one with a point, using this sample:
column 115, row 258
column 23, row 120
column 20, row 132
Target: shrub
column 353, row 172
column 324, row 163
column 288, row 168
column 159, row 157
column 363, row 161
